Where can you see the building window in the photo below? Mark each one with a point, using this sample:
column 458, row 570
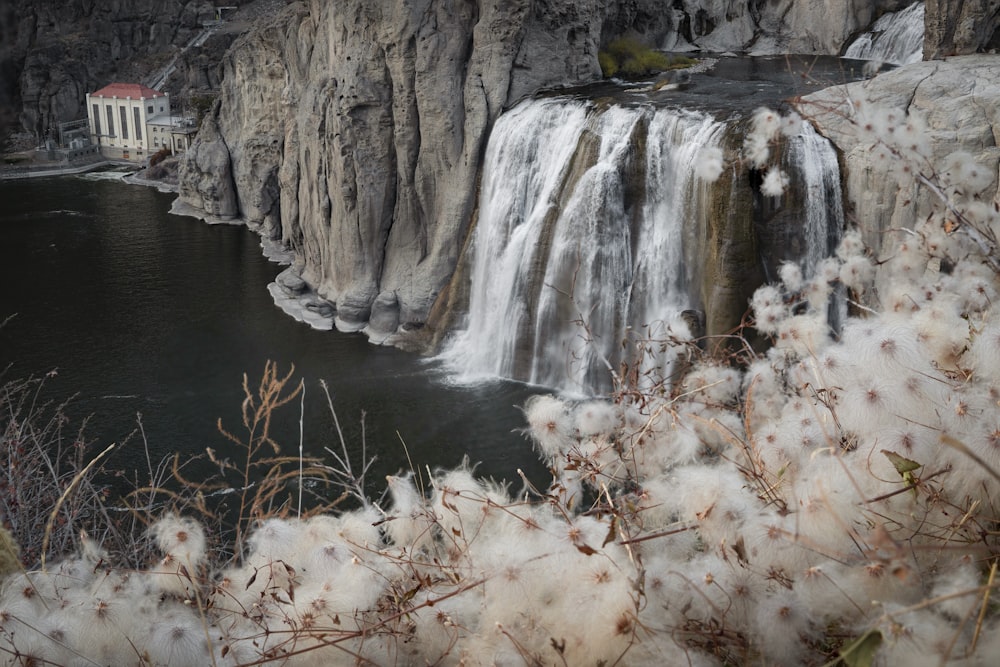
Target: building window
column 138, row 123
column 124, row 118
column 111, row 120
column 149, row 109
column 97, row 120
column 161, row 108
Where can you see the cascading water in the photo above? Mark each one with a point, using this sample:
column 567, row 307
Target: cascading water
column 817, row 174
column 812, row 157
column 897, row 38
column 579, row 239
column 590, row 228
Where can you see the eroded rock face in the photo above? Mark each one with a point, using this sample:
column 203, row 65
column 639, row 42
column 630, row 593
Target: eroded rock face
column 960, row 101
column 355, row 132
column 768, row 27
column 960, row 27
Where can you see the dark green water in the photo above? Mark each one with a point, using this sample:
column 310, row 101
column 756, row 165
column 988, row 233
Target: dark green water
column 141, row 311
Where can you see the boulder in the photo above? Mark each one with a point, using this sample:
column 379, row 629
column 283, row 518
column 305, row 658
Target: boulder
column 384, row 318
column 960, row 101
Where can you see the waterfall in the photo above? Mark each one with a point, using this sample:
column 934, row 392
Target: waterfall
column 812, row 157
column 814, row 162
column 592, row 231
column 896, row 38
column 579, row 238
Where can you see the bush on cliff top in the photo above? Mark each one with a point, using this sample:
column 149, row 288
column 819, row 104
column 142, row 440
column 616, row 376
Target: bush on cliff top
column 629, row 57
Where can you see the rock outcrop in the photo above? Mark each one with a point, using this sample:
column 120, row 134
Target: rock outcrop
column 355, row 131
column 960, row 27
column 772, row 27
column 960, row 101
column 52, row 53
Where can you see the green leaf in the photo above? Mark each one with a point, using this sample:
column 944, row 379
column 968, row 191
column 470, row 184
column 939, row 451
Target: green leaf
column 861, row 652
column 902, row 464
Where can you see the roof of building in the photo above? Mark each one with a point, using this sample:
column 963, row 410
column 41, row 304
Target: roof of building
column 134, row 90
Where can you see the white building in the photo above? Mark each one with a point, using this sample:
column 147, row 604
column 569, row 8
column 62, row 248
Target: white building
column 131, row 121
column 174, row 132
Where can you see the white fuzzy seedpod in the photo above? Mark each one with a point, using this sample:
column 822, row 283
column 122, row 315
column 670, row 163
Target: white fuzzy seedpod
column 272, row 540
column 550, row 425
column 596, row 419
column 178, row 638
column 775, row 182
column 181, row 538
column 804, row 335
column 791, row 125
column 964, row 175
column 857, row 272
column 709, row 164
column 782, row 623
column 410, row 523
column 791, row 276
column 766, row 123
column 982, row 357
column 851, row 245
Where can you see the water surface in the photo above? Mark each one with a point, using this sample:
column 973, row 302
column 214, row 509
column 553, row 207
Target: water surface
column 141, row 311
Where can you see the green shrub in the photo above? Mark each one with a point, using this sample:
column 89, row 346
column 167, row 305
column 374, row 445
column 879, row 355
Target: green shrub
column 609, row 65
column 634, row 59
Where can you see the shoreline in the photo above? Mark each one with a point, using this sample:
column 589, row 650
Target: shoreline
column 20, row 173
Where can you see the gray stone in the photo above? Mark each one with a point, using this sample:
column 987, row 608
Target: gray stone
column 291, row 281
column 773, row 27
column 960, row 27
column 206, row 179
column 384, row 318
column 961, row 103
column 354, row 131
column 53, row 52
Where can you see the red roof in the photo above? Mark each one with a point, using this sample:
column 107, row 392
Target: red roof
column 133, row 90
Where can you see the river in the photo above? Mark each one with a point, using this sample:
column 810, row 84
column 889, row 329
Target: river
column 138, row 311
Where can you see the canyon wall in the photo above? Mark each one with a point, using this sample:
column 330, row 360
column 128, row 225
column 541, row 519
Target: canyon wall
column 768, row 27
column 355, row 132
column 960, row 27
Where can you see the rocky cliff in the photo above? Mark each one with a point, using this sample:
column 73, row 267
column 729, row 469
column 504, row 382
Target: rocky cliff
column 957, row 27
column 771, row 26
column 960, row 103
column 353, row 132
column 52, row 52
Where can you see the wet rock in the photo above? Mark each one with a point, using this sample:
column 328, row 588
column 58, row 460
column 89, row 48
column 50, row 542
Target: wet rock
column 961, row 103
